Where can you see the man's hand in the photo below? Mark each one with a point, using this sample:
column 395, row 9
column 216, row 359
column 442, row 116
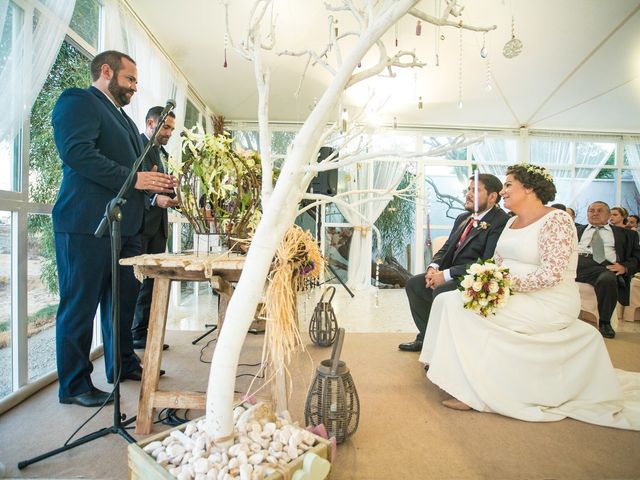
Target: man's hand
column 163, row 201
column 617, row 268
column 435, row 278
column 427, row 276
column 155, row 181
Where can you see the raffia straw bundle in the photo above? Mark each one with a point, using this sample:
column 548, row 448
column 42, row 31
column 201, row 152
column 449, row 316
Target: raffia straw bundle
column 297, row 259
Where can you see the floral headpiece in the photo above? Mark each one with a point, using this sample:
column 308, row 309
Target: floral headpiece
column 537, row 170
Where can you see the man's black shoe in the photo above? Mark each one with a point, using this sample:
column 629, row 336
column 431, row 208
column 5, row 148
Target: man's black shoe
column 92, row 398
column 135, row 375
column 415, row 346
column 607, row 331
column 141, row 344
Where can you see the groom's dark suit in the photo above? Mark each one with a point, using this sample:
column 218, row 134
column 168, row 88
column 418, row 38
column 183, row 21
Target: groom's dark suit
column 98, row 145
column 153, row 238
column 479, row 243
column 610, row 288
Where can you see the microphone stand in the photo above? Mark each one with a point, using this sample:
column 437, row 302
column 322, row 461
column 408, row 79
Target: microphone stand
column 112, row 218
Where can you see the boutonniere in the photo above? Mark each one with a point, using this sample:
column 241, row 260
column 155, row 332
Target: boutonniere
column 481, row 225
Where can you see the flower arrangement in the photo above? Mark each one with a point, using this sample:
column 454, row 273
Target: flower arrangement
column 486, row 287
column 536, row 169
column 218, row 184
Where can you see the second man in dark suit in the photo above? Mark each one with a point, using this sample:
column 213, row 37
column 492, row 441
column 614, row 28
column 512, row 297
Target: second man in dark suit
column 469, row 240
column 155, row 228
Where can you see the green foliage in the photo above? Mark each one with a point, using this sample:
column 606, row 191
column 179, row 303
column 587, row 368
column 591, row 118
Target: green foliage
column 71, row 69
column 85, row 20
column 45, row 313
column 396, row 222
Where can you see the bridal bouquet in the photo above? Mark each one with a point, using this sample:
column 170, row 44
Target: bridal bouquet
column 486, row 287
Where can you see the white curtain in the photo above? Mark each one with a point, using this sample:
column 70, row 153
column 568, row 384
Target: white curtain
column 158, row 79
column 493, row 152
column 30, row 44
column 364, row 209
column 632, row 149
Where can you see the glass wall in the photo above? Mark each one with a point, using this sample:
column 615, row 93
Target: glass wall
column 6, row 305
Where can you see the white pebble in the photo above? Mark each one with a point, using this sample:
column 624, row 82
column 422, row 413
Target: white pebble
column 201, row 465
column 152, row 446
column 256, row 458
column 245, row 472
column 190, row 429
column 212, row 474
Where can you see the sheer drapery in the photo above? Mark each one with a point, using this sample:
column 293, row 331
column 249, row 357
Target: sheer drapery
column 495, row 151
column 29, row 45
column 158, row 79
column 364, row 209
column 632, row 149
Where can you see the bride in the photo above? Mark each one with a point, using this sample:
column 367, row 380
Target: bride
column 533, row 360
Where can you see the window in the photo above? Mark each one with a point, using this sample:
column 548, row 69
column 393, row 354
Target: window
column 6, row 306
column 191, row 116
column 85, row 21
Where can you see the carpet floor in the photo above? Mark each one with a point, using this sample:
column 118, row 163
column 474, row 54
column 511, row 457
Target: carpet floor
column 404, row 431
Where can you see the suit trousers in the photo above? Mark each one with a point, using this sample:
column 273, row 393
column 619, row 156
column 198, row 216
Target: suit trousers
column 605, row 283
column 150, row 244
column 421, row 299
column 84, row 276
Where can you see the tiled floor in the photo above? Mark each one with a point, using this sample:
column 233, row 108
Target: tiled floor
column 362, row 313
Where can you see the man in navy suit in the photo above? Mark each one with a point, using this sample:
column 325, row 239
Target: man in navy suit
column 98, row 145
column 155, row 226
column 469, row 240
column 608, row 257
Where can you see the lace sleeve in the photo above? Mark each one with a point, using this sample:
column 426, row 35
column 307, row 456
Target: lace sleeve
column 555, row 243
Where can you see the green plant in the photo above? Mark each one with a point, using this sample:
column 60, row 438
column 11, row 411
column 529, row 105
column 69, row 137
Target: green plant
column 71, row 69
column 396, row 222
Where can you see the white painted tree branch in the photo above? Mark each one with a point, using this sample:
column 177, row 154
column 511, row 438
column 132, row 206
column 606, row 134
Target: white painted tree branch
column 444, row 22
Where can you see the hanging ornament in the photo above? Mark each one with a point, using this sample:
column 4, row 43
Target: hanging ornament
column 335, row 29
column 488, row 87
column 226, row 44
column 418, row 28
column 395, row 122
column 442, row 37
column 459, row 67
column 345, row 118
column 483, row 50
column 419, row 103
column 378, row 263
column 359, row 64
column 513, row 47
column 396, row 31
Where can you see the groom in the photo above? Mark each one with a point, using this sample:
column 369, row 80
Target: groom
column 468, row 242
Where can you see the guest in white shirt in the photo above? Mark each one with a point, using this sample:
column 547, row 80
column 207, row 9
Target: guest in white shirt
column 608, row 258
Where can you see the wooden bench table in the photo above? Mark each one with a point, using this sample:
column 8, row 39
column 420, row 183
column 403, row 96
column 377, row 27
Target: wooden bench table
column 219, row 270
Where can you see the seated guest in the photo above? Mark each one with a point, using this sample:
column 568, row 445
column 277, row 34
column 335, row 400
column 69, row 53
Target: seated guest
column 618, row 216
column 559, row 206
column 572, row 213
column 632, row 222
column 609, row 256
column 533, row 359
column 469, row 240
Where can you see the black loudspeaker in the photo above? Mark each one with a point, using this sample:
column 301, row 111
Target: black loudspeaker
column 325, row 183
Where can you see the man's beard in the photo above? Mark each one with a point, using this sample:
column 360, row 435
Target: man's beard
column 481, row 207
column 119, row 92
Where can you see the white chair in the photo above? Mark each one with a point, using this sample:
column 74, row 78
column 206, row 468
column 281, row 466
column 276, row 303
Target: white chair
column 589, row 305
column 437, row 243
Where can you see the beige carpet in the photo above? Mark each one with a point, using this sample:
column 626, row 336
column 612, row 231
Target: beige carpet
column 404, row 432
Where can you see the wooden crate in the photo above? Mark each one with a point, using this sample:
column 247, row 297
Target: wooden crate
column 143, row 466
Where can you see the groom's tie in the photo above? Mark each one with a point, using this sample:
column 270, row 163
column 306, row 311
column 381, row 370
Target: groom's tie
column 597, row 246
column 465, row 232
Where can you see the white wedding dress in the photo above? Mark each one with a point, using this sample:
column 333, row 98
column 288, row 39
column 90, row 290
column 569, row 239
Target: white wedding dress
column 533, row 360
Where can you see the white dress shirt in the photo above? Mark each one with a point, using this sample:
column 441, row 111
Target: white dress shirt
column 606, row 233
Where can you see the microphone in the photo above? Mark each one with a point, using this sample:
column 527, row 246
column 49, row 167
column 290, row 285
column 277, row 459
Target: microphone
column 171, row 104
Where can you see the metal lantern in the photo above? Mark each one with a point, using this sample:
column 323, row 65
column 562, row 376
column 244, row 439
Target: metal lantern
column 332, row 399
column 324, row 325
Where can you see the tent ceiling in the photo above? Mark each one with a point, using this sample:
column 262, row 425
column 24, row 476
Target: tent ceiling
column 579, row 68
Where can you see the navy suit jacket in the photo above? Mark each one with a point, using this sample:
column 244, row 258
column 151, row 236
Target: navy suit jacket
column 627, row 254
column 479, row 243
column 98, row 146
